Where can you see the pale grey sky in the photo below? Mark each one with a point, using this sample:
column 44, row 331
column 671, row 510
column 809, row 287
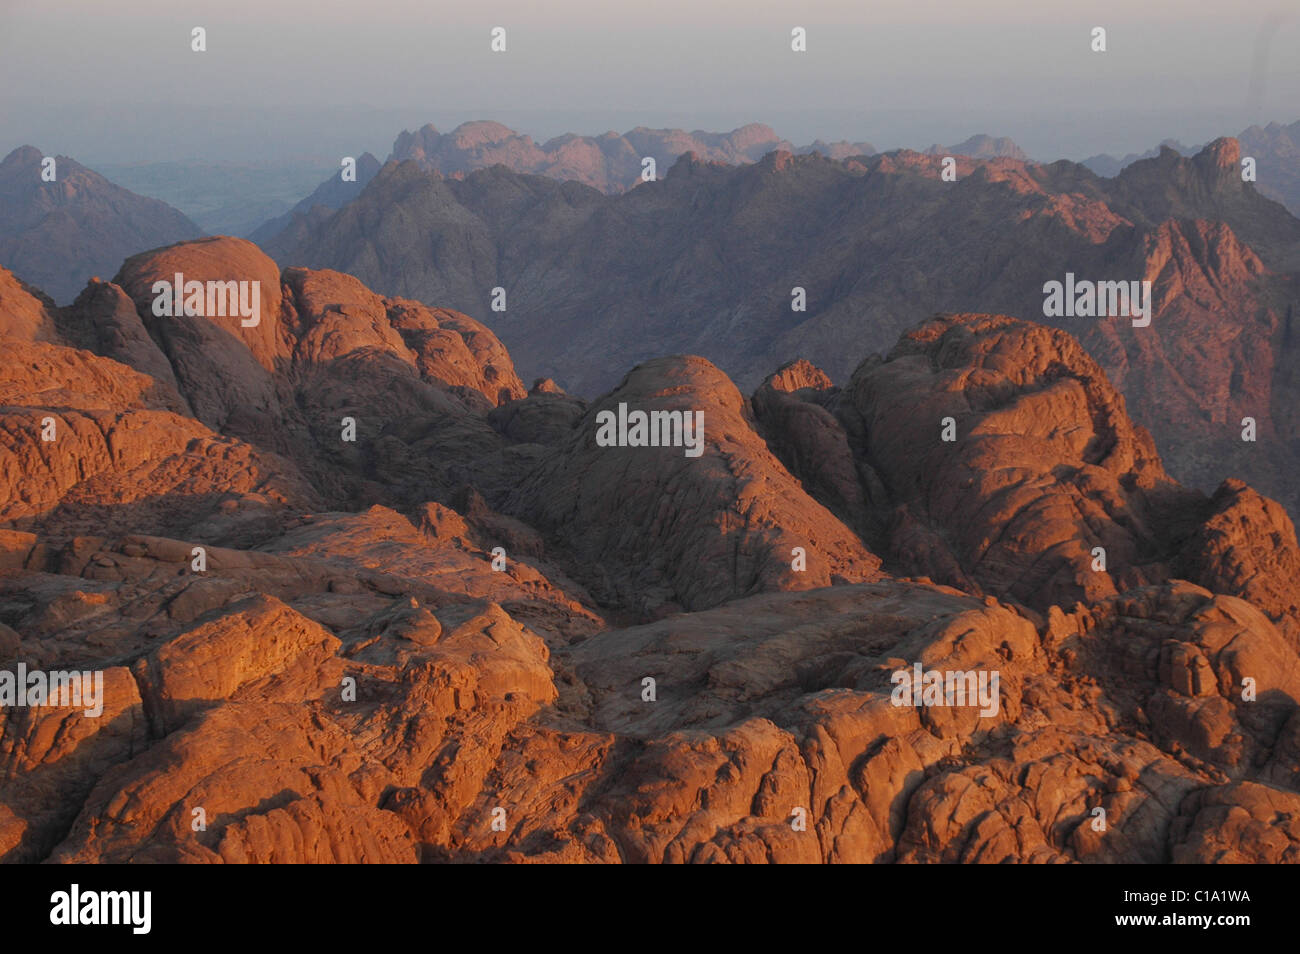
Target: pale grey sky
column 117, row 81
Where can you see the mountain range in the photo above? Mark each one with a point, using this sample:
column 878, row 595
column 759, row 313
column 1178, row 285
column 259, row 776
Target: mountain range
column 610, row 162
column 358, row 594
column 705, row 260
column 709, row 260
column 87, row 224
column 91, row 226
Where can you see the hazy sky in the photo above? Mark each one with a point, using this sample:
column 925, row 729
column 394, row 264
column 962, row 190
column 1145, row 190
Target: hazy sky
column 115, row 80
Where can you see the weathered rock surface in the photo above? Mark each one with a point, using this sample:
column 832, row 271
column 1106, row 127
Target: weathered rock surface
column 1009, row 459
column 687, row 530
column 478, row 634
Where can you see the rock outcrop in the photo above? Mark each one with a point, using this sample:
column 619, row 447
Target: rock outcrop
column 495, row 628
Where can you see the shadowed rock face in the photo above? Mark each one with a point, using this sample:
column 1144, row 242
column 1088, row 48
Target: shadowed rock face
column 701, row 529
column 478, row 633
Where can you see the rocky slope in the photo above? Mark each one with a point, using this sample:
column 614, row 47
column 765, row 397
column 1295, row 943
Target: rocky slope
column 56, row 235
column 477, row 633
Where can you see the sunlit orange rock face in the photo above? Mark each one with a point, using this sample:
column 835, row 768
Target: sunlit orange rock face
column 477, row 632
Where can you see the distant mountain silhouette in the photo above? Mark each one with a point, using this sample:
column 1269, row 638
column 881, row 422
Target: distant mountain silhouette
column 57, row 234
column 981, row 147
column 1275, row 148
column 609, row 162
column 1109, row 166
